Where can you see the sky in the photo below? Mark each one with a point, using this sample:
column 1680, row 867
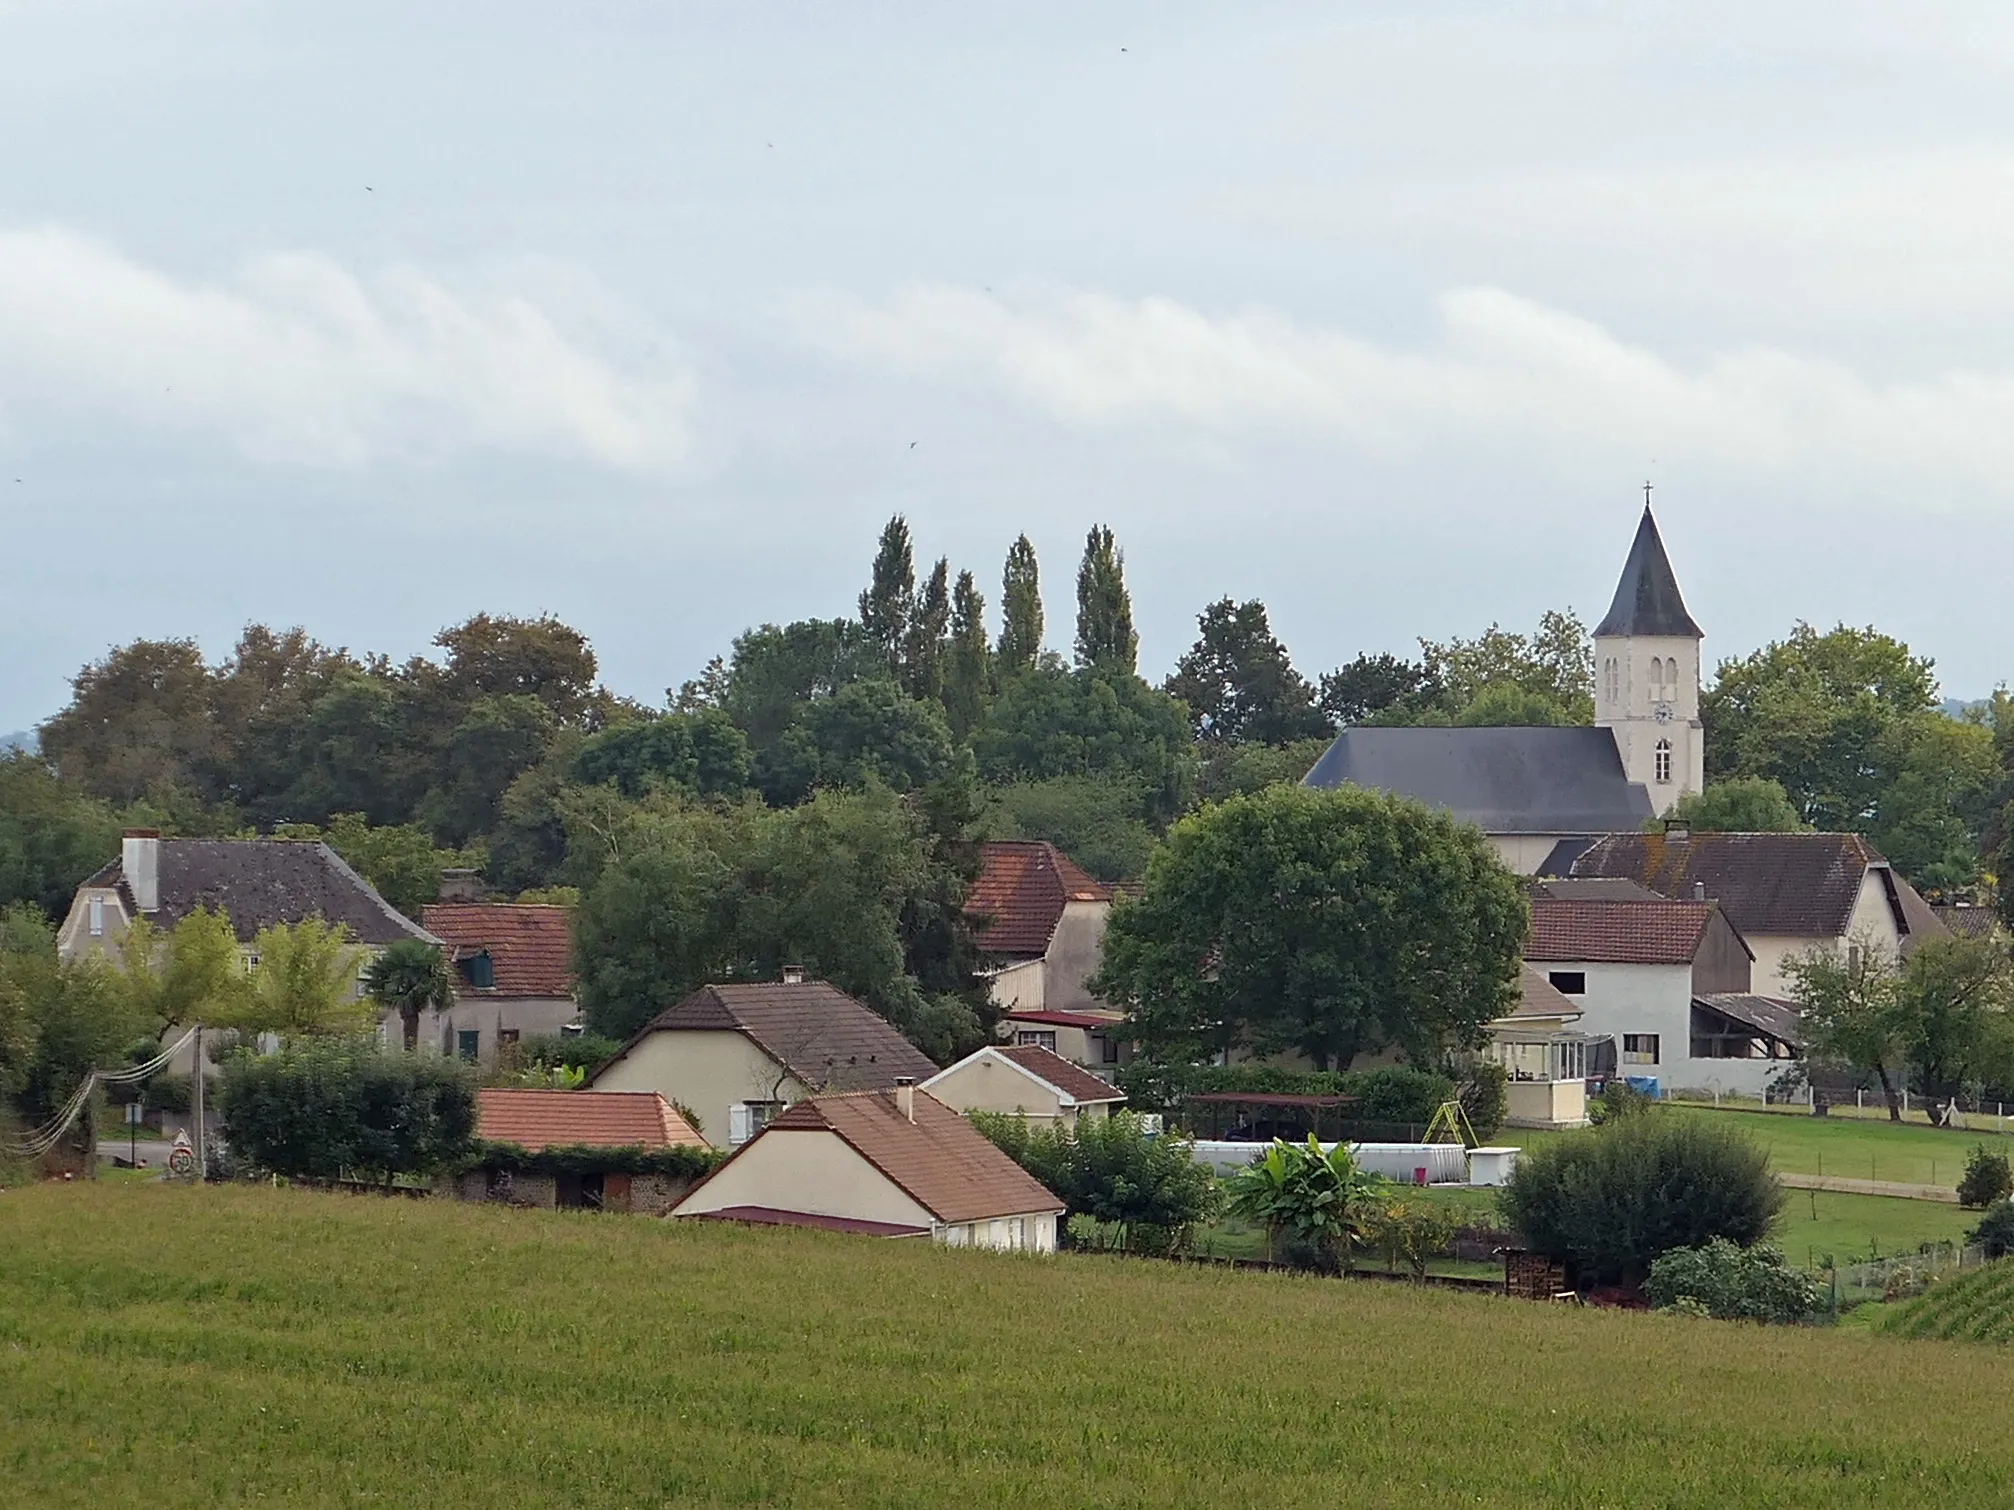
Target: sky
column 369, row 317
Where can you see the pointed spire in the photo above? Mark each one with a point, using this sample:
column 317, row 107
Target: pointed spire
column 1647, row 600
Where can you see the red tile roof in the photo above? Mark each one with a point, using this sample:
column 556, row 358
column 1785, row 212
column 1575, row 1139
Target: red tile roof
column 1018, row 898
column 770, row 1216
column 1072, row 1080
column 529, row 946
column 536, row 1119
column 1621, row 933
column 944, row 1164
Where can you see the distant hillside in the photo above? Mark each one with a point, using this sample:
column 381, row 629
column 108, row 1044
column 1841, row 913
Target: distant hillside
column 25, row 740
column 1958, row 707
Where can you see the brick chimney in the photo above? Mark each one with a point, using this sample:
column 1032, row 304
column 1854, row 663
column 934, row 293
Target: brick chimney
column 459, row 884
column 905, row 1097
column 140, row 863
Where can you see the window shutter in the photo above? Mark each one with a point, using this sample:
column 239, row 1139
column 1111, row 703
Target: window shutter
column 737, row 1126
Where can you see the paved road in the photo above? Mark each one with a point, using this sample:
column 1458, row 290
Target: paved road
column 153, row 1151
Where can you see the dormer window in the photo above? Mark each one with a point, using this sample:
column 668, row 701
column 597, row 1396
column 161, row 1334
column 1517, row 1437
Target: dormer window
column 1662, row 761
column 97, row 917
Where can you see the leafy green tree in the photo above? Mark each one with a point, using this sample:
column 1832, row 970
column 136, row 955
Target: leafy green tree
column 1230, row 769
column 192, row 972
column 305, row 983
column 363, row 747
column 137, row 720
column 1502, row 705
column 1049, row 722
column 1937, row 800
column 497, row 740
column 868, row 731
column 1238, row 683
column 59, row 1019
column 968, row 668
column 1957, row 995
column 1555, row 661
column 1095, row 820
column 342, row 1109
column 1377, row 684
column 702, row 753
column 1320, row 1202
column 1020, row 610
column 890, row 599
column 924, row 648
column 409, row 977
column 1852, row 1011
column 1105, row 636
column 1110, row 1171
column 775, row 671
column 51, row 835
column 1739, row 805
column 1329, row 923
column 543, row 659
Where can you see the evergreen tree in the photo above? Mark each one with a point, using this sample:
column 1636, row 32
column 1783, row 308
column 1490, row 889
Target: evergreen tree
column 886, row 606
column 968, row 667
column 1105, row 635
column 1020, row 610
column 930, row 620
column 1239, row 683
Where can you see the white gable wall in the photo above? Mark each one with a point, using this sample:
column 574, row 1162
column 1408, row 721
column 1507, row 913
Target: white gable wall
column 809, row 1171
column 711, row 1070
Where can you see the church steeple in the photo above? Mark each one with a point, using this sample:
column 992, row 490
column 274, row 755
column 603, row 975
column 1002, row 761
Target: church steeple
column 1647, row 600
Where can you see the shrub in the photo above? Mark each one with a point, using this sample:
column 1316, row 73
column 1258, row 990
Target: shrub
column 1411, row 1232
column 1388, row 1094
column 1731, row 1283
column 1484, row 1093
column 1987, row 1179
column 683, row 1163
column 1995, row 1232
column 1617, row 1101
column 1396, row 1094
column 1150, row 1188
column 1314, row 1205
column 584, row 1051
column 330, row 1110
column 1613, row 1199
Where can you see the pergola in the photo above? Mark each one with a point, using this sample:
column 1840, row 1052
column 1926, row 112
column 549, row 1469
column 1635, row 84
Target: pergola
column 1263, row 1115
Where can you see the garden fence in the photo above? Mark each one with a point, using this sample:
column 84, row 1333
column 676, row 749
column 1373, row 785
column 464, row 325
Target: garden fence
column 1903, row 1276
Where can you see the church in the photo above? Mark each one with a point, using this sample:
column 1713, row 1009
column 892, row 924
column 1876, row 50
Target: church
column 1533, row 789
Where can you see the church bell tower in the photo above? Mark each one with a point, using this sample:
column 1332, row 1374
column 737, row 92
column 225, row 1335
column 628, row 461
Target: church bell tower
column 1646, row 675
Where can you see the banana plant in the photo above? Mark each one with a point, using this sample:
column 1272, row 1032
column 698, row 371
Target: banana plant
column 1321, row 1196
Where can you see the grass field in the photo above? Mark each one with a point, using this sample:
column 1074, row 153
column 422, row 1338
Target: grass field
column 167, row 1346
column 1975, row 1307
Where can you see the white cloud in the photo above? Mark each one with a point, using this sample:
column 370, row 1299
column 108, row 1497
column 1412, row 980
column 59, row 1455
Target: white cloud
column 1502, row 372
column 297, row 360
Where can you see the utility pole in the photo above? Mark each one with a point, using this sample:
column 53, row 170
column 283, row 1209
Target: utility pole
column 196, row 1102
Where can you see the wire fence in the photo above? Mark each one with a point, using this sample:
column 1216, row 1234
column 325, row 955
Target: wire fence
column 1902, row 1277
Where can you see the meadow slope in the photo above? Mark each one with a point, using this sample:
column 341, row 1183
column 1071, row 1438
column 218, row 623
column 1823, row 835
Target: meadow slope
column 168, row 1346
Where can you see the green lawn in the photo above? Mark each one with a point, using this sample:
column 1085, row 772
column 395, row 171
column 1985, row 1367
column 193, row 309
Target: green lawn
column 162, row 1345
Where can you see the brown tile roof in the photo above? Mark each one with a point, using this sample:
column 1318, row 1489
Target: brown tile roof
column 1797, row 885
column 1622, row 933
column 535, row 1119
column 1539, row 997
column 1018, row 897
column 1971, row 921
column 1072, row 1080
column 261, row 882
column 944, row 1164
column 821, row 1035
column 529, row 946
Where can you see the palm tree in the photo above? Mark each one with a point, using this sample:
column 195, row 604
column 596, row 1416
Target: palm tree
column 411, row 975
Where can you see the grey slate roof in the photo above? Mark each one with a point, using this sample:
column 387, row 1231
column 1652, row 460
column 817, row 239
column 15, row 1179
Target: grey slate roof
column 1505, row 781
column 261, row 882
column 1647, row 600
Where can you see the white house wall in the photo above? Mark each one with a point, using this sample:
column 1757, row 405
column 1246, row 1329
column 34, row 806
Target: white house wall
column 708, row 1070
column 809, row 1171
column 1632, row 999
column 1872, row 921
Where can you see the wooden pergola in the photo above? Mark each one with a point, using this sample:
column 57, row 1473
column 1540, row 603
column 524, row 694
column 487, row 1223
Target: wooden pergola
column 1264, row 1115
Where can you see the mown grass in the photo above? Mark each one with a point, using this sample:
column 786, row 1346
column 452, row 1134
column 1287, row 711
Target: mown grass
column 1907, row 1153
column 1974, row 1307
column 170, row 1346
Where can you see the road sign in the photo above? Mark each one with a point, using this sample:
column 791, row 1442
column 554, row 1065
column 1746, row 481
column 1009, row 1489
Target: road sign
column 132, row 1114
column 182, row 1157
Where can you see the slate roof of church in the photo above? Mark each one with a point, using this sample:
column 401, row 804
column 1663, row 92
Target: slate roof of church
column 1505, row 781
column 1647, row 600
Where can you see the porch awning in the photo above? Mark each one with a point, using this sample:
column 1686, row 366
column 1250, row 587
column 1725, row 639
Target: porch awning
column 1766, row 1015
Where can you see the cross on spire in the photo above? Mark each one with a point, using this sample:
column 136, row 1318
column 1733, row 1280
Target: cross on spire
column 1646, row 495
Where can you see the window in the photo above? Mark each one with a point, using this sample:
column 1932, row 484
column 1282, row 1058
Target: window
column 506, row 1038
column 1611, row 679
column 1639, row 1048
column 97, row 917
column 1027, row 1038
column 1662, row 758
column 1108, row 1050
column 1017, row 1232
column 1569, row 982
column 468, row 1043
column 251, row 962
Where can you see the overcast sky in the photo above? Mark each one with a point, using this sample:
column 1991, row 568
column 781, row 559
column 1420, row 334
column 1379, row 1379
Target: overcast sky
column 368, row 317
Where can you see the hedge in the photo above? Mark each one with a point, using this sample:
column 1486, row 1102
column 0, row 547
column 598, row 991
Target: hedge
column 583, row 1158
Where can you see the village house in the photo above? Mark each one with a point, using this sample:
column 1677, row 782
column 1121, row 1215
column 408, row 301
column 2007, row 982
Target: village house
column 1544, row 1056
column 1044, row 1087
column 601, row 1135
column 738, row 1054
column 1786, row 894
column 1530, row 789
column 891, row 1163
column 512, row 974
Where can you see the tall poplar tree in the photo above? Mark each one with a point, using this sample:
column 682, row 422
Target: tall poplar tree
column 929, row 622
column 1020, row 610
column 1105, row 637
column 968, row 667
column 886, row 606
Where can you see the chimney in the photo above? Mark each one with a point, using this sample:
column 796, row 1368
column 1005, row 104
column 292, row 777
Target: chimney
column 1678, row 829
column 905, row 1097
column 459, row 884
column 793, row 975
column 1699, row 891
column 140, row 862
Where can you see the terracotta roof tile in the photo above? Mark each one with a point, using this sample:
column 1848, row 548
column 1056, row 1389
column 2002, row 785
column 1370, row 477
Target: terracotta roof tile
column 1072, row 1080
column 1018, row 897
column 1623, row 933
column 946, row 1166
column 529, row 946
column 536, row 1119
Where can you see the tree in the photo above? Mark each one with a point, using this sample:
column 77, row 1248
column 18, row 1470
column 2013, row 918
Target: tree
column 1105, row 636
column 1111, row 1172
column 1095, row 820
column 398, row 859
column 191, row 972
column 1319, row 1200
column 51, row 835
column 1614, row 1199
column 1852, row 1011
column 868, row 731
column 496, row 741
column 1230, row 769
column 968, row 669
column 1506, row 705
column 1739, row 805
column 1374, row 684
column 924, row 651
column 775, row 671
column 409, row 977
column 701, row 753
column 305, row 982
column 59, row 1019
column 1555, row 661
column 137, row 720
column 1020, row 610
column 342, row 1109
column 1956, row 995
column 537, row 658
column 1329, row 923
column 888, row 602
column 1936, row 803
column 1050, row 722
column 1239, row 684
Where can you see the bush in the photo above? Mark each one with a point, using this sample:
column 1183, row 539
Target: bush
column 1151, row 1188
column 1484, row 1093
column 346, row 1109
column 1314, row 1205
column 1987, row 1179
column 1411, row 1232
column 1995, row 1232
column 1617, row 1101
column 683, row 1163
column 1614, row 1199
column 1731, row 1283
column 586, row 1051
column 1391, row 1094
